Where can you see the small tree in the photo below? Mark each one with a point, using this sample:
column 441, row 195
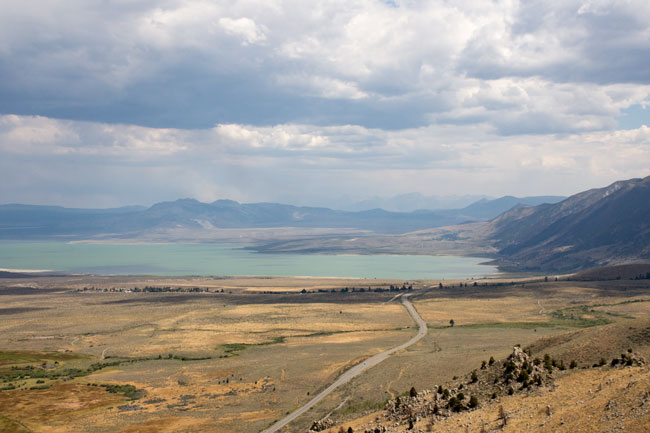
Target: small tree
column 523, row 376
column 474, row 377
column 413, row 392
column 491, row 361
column 454, row 404
column 503, row 416
column 452, row 323
column 473, row 401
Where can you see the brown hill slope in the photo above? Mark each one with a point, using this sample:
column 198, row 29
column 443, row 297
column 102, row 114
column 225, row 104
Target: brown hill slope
column 597, row 227
column 613, row 397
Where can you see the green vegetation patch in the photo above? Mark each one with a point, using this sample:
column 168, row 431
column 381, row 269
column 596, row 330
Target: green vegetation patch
column 323, row 333
column 233, row 349
column 583, row 316
column 178, row 358
column 56, row 371
column 129, row 391
column 14, row 357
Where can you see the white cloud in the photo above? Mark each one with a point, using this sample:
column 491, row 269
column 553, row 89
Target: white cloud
column 323, row 95
column 198, row 62
column 268, row 163
column 38, row 137
column 324, row 87
column 243, row 27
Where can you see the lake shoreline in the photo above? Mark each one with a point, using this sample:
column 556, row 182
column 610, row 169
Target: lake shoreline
column 230, row 259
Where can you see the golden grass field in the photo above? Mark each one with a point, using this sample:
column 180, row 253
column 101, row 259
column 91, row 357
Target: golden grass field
column 238, row 360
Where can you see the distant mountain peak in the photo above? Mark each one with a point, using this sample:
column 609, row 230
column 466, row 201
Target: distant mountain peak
column 224, row 201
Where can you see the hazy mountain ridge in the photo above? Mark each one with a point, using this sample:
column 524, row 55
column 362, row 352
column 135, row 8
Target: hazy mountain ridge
column 603, row 226
column 488, row 209
column 597, row 227
column 30, row 221
column 413, row 201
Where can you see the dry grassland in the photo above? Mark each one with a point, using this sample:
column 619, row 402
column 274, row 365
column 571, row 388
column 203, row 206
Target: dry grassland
column 223, row 362
column 263, row 357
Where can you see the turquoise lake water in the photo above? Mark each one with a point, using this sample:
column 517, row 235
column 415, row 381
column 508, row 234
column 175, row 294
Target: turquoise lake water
column 228, row 259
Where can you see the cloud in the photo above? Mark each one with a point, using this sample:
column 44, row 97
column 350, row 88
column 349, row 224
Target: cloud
column 94, row 164
column 324, row 87
column 134, row 102
column 243, row 27
column 521, row 67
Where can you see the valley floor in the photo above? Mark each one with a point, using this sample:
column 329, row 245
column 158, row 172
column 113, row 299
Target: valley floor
column 90, row 354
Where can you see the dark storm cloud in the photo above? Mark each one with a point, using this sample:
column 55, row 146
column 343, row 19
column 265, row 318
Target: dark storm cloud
column 197, row 64
column 109, row 103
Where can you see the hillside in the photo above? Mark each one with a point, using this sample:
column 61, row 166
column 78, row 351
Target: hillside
column 602, row 226
column 488, row 209
column 554, row 395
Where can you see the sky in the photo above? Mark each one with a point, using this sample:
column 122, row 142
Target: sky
column 112, row 103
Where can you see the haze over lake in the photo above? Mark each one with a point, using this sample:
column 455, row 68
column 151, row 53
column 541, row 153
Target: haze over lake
column 228, row 259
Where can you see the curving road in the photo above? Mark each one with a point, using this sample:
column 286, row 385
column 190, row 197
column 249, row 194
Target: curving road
column 357, row 369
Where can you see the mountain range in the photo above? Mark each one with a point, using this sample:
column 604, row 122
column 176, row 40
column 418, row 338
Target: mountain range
column 475, row 205
column 411, row 202
column 603, row 226
column 33, row 222
column 600, row 227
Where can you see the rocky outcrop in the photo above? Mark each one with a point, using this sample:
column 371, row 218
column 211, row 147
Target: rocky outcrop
column 321, row 425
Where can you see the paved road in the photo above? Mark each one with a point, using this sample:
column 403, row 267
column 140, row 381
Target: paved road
column 357, row 369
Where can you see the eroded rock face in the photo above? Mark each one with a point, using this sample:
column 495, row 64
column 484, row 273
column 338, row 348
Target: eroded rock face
column 321, row 425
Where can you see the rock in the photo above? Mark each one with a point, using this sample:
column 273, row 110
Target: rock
column 321, row 425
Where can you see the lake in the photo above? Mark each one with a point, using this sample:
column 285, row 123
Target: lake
column 228, row 259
